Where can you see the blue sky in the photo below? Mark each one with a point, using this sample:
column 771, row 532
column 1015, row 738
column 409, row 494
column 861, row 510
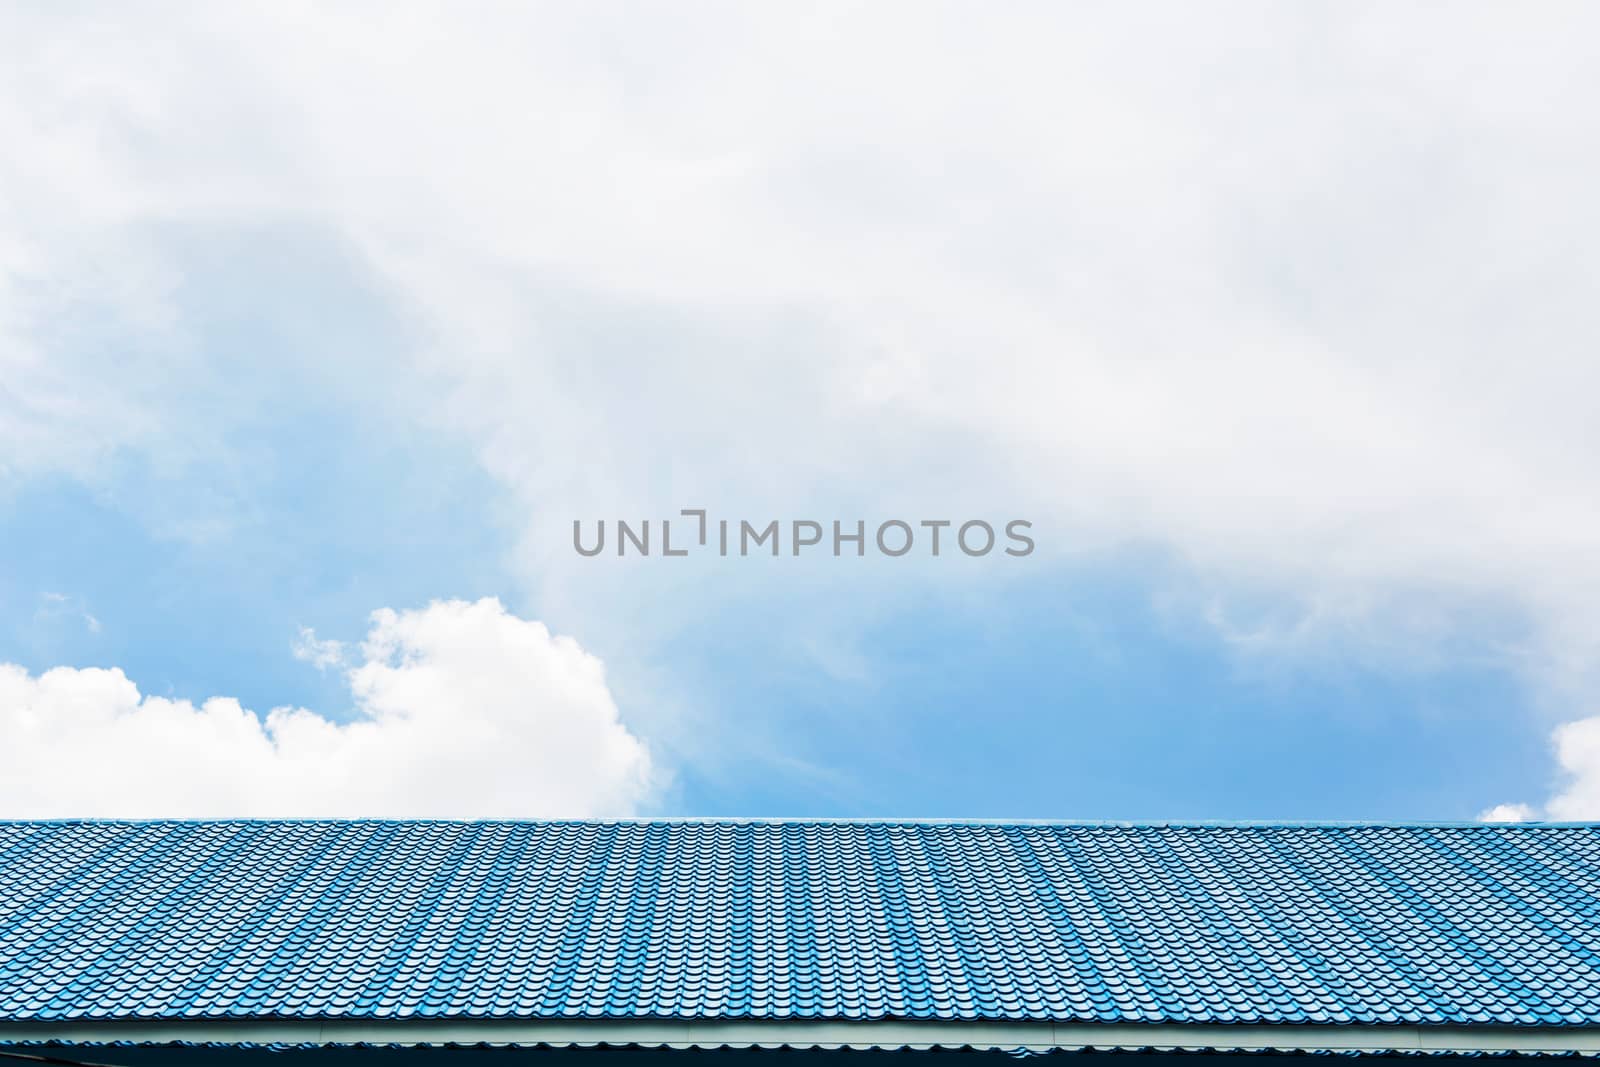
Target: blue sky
column 1060, row 695
column 317, row 336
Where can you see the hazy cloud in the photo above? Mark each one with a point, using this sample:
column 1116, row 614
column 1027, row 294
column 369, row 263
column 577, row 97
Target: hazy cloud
column 320, row 653
column 1301, row 297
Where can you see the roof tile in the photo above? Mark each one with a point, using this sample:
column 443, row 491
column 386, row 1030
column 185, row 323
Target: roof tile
column 847, row 920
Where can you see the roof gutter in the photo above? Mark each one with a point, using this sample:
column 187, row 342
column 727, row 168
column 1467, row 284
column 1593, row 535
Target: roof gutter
column 796, row 1033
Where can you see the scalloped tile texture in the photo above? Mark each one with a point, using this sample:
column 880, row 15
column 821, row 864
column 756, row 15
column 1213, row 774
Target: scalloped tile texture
column 836, row 920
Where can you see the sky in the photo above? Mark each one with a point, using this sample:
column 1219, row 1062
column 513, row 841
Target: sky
column 1273, row 325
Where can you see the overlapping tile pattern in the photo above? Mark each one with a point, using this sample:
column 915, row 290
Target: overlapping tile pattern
column 840, row 920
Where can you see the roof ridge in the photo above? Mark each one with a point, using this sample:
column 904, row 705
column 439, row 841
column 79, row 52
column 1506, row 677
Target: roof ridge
column 742, row 820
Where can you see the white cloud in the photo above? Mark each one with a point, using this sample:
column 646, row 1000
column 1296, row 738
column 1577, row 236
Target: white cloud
column 462, row 710
column 1509, row 813
column 1578, row 753
column 320, row 653
column 1577, row 749
column 1300, row 297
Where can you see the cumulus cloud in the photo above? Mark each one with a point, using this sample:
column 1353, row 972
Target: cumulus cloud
column 1509, row 813
column 1578, row 753
column 461, row 710
column 1577, row 749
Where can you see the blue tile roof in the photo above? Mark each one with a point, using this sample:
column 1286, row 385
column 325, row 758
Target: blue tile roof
column 802, row 920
